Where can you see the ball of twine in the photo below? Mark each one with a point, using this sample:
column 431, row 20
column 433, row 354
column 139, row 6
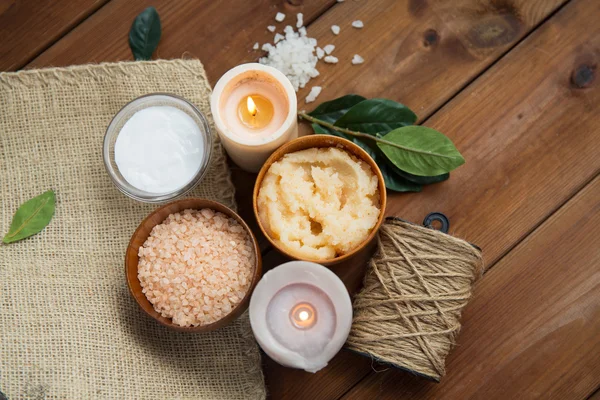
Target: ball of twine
column 417, row 284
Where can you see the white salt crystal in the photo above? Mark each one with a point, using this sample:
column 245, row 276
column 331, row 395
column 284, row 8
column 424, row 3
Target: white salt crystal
column 278, row 37
column 358, row 24
column 357, row 59
column 331, row 59
column 340, row 1
column 267, row 47
column 320, row 53
column 329, row 48
column 256, row 46
column 294, row 56
column 279, row 17
column 271, row 28
column 315, row 91
column 302, row 31
column 300, row 20
column 335, row 29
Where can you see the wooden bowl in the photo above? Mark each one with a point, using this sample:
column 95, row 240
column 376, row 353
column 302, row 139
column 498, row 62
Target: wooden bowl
column 142, row 233
column 320, row 141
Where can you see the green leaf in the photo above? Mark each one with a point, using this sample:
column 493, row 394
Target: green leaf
column 422, row 180
column 376, row 116
column 31, row 217
column 144, row 34
column 425, row 152
column 392, row 180
column 331, row 111
column 395, row 182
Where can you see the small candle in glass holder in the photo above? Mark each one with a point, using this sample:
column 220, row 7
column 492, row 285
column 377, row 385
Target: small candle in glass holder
column 254, row 109
column 301, row 315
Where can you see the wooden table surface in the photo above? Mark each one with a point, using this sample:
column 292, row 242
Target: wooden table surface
column 512, row 82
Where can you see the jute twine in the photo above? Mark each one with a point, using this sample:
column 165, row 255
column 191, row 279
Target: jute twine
column 69, row 329
column 417, row 284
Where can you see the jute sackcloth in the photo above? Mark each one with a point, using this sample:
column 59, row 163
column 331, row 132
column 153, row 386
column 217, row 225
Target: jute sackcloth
column 69, row 328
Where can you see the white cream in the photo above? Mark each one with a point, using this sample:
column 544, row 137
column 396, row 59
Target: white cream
column 159, row 149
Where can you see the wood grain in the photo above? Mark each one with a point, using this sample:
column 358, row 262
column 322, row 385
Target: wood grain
column 219, row 33
column 532, row 329
column 27, row 27
column 420, row 53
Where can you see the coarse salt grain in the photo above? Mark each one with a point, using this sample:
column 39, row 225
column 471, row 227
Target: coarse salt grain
column 279, row 17
column 335, row 29
column 196, row 284
column 256, row 46
column 320, row 53
column 300, row 20
column 357, row 59
column 331, row 59
column 271, row 28
column 278, row 37
column 329, row 48
column 358, row 24
column 315, row 91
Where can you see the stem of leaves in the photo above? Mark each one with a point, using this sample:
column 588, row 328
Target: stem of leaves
column 317, row 121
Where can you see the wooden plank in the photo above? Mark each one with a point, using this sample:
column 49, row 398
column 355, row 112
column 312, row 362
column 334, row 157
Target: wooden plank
column 218, row 33
column 533, row 327
column 420, row 53
column 28, row 27
column 528, row 135
column 595, row 396
column 511, row 125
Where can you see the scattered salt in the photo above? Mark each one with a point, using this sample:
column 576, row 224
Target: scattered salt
column 278, row 37
column 335, row 29
column 320, row 53
column 331, row 59
column 267, row 47
column 358, row 24
column 279, row 17
column 294, row 56
column 340, row 1
column 315, row 91
column 256, row 46
column 300, row 20
column 302, row 31
column 357, row 59
column 329, row 48
column 271, row 28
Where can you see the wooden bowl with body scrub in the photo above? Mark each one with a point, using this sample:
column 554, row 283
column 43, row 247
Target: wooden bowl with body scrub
column 320, row 198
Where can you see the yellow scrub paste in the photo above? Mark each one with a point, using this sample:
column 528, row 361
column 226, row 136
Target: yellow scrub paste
column 319, row 203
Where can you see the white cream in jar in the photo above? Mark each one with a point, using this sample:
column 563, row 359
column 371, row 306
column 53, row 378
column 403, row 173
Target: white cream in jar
column 160, row 149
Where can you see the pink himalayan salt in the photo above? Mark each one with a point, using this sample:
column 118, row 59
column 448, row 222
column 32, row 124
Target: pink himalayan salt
column 196, row 266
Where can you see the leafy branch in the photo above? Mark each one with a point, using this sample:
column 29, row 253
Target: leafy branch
column 326, row 124
column 408, row 155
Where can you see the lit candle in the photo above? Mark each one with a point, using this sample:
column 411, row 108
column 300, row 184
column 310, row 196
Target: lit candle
column 301, row 315
column 254, row 109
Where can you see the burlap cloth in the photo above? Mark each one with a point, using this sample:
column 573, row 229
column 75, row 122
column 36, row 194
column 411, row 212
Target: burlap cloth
column 69, row 329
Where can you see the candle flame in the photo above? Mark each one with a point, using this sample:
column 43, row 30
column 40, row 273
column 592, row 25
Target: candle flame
column 303, row 315
column 251, row 106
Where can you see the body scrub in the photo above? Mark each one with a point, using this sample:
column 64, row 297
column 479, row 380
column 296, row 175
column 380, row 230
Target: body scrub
column 319, row 203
